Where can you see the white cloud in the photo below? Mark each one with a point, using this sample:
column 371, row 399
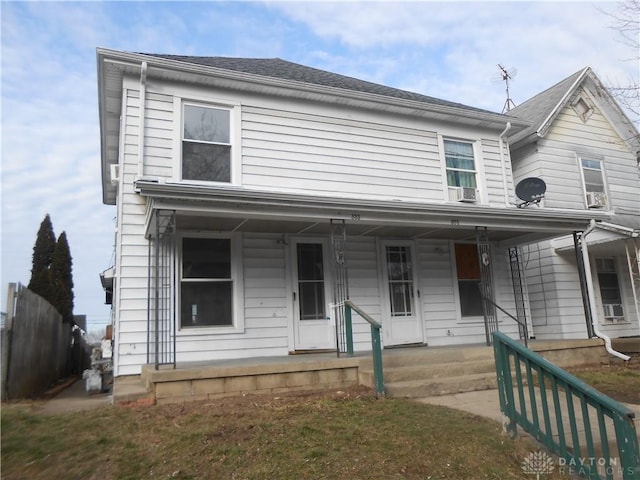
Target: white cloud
column 451, row 50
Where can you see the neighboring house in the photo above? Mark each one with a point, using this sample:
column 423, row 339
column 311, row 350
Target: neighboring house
column 587, row 151
column 254, row 195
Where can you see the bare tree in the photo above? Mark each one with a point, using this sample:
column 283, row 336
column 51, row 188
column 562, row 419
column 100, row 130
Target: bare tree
column 626, row 21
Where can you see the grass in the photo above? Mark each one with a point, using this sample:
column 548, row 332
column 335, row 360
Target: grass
column 620, row 382
column 322, row 436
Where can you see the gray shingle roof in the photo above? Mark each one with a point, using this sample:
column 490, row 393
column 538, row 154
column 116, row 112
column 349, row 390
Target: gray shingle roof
column 283, row 69
column 538, row 108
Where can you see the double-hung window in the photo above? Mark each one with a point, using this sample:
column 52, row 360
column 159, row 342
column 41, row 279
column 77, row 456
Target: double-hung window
column 592, row 174
column 609, row 288
column 206, row 143
column 594, row 183
column 468, row 272
column 460, row 164
column 206, row 283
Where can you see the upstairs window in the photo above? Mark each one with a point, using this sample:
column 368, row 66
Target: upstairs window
column 460, row 164
column 206, row 144
column 592, row 174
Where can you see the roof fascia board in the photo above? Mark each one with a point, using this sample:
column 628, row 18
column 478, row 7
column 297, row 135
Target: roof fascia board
column 631, row 136
column 545, row 219
column 492, row 120
column 546, row 123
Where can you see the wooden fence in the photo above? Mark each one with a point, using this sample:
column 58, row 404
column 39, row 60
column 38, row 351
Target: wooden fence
column 35, row 344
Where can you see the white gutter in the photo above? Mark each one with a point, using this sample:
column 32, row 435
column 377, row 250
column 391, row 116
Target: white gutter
column 143, row 94
column 591, row 293
column 502, row 164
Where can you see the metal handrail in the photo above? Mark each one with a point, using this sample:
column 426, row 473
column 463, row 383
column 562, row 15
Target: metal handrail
column 376, row 346
column 563, row 396
column 523, row 325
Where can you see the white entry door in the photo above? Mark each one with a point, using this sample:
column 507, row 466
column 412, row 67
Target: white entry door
column 313, row 329
column 401, row 324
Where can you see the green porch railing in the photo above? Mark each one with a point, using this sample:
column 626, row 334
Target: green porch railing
column 570, row 418
column 376, row 346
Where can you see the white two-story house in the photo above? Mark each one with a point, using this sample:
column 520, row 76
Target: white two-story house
column 254, row 195
column 587, row 151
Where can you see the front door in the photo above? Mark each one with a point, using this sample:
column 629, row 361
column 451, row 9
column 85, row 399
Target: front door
column 399, row 286
column 313, row 329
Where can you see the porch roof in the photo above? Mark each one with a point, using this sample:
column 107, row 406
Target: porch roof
column 233, row 209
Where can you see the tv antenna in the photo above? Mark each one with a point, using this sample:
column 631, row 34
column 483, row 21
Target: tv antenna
column 506, row 76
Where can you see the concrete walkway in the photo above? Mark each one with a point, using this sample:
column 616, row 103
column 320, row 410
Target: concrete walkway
column 73, row 399
column 484, row 403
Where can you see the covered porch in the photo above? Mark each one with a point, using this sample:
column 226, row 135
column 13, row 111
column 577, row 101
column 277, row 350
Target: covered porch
column 357, row 238
column 415, row 372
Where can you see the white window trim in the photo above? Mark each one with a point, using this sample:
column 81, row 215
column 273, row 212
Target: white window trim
column 235, row 138
column 460, row 320
column 477, row 159
column 586, row 115
column 237, row 290
column 596, row 280
column 595, row 158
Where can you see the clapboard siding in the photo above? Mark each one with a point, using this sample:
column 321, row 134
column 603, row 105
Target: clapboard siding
column 362, row 262
column 556, row 161
column 555, row 297
column 494, row 178
column 290, row 146
column 321, row 154
column 265, row 309
column 132, row 250
column 437, row 295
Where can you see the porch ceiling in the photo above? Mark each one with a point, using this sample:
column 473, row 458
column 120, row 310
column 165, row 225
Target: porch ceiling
column 189, row 222
column 241, row 210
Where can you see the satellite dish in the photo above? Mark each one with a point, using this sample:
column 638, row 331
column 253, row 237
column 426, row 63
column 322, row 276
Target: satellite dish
column 530, row 190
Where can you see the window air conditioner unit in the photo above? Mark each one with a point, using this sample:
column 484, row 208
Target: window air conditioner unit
column 596, row 199
column 613, row 310
column 114, row 171
column 466, row 194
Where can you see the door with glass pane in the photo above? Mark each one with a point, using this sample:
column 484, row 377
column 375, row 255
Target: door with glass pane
column 311, row 292
column 402, row 323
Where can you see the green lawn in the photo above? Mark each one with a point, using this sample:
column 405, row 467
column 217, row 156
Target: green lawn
column 333, row 436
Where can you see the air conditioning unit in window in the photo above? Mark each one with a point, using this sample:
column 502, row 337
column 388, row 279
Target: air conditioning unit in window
column 466, row 194
column 114, row 173
column 596, row 199
column 613, row 310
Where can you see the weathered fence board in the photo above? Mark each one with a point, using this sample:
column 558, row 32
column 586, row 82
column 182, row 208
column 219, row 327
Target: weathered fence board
column 35, row 344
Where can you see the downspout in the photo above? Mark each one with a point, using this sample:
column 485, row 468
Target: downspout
column 592, row 301
column 141, row 113
column 502, row 163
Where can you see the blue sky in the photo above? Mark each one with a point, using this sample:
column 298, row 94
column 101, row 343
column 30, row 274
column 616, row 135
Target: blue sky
column 49, row 125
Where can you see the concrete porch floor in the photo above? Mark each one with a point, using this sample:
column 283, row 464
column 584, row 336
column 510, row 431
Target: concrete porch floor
column 318, row 371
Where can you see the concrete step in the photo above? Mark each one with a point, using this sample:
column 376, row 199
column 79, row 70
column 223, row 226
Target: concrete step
column 131, row 390
column 430, row 371
column 442, row 386
column 628, row 345
column 398, row 357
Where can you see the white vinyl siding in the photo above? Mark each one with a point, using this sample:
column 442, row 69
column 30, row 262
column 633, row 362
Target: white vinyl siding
column 323, row 155
column 131, row 252
column 554, row 293
column 315, row 149
column 557, row 162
